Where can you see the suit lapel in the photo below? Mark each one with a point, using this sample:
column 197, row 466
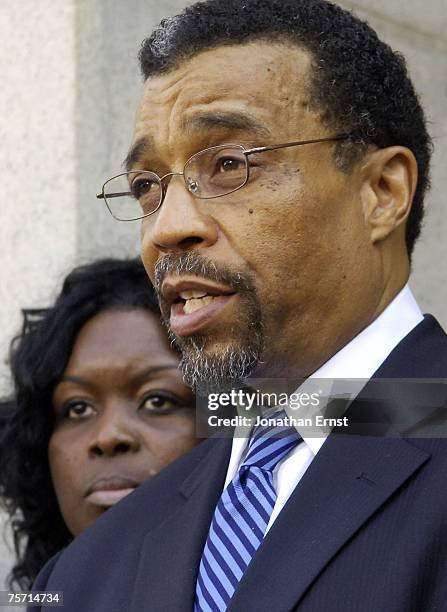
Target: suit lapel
column 177, row 542
column 347, row 482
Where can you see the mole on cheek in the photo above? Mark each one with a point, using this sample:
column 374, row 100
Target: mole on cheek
column 251, row 211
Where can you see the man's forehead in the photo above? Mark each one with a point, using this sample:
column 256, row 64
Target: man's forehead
column 253, row 92
column 259, row 72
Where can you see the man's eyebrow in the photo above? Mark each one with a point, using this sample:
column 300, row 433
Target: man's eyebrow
column 229, row 120
column 137, row 150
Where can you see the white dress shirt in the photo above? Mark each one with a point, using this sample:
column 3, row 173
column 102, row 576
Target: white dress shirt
column 359, row 359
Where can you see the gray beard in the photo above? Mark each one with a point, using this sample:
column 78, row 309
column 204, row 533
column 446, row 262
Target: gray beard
column 209, row 372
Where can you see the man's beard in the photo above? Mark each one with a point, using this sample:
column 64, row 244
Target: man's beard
column 204, row 371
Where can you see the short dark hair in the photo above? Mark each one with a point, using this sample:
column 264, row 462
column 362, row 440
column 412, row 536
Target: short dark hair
column 359, row 82
column 39, row 357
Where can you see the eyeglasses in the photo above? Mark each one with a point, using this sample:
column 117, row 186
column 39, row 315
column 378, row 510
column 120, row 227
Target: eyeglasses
column 210, row 173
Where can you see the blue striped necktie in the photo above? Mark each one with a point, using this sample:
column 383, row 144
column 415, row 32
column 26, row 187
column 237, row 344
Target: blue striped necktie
column 241, row 517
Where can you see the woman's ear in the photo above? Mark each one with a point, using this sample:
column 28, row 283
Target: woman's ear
column 390, row 179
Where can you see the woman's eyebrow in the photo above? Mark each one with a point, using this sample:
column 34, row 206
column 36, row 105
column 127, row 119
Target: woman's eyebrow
column 144, row 374
column 141, row 375
column 74, row 379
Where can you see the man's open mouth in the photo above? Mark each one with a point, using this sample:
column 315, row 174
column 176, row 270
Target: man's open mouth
column 194, row 303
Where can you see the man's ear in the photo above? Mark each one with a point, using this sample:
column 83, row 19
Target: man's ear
column 389, row 183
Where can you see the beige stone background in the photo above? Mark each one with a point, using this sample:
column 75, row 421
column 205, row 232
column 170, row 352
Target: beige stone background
column 69, row 87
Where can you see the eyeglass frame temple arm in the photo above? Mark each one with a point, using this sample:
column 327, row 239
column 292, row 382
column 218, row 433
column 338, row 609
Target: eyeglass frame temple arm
column 113, row 195
column 296, row 143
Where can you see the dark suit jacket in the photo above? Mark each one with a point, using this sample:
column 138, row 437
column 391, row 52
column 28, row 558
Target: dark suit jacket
column 365, row 529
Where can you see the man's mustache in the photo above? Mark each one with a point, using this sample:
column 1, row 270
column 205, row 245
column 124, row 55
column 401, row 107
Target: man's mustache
column 192, row 262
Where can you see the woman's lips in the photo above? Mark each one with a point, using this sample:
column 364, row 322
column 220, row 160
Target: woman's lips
column 107, row 491
column 186, row 323
column 108, row 497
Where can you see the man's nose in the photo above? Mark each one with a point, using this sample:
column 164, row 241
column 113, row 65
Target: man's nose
column 182, row 222
column 115, row 433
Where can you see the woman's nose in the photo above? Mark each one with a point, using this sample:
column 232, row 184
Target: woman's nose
column 115, row 433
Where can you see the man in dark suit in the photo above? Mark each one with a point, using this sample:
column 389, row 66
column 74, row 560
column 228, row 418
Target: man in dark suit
column 279, row 164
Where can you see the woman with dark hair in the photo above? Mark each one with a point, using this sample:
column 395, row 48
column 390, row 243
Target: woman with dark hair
column 100, row 406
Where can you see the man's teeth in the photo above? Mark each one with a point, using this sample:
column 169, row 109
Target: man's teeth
column 194, row 303
column 195, row 299
column 192, row 293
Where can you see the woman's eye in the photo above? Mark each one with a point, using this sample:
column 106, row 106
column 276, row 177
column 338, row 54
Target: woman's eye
column 78, row 410
column 159, row 404
column 228, row 164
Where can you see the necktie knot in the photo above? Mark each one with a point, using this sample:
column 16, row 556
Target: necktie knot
column 269, row 444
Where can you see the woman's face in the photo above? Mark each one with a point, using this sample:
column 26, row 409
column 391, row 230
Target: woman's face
column 122, row 414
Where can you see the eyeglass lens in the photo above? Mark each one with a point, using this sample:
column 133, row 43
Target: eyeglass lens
column 210, row 173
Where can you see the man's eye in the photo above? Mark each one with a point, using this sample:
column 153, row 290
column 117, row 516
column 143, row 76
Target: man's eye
column 78, row 410
column 143, row 186
column 158, row 403
column 228, row 164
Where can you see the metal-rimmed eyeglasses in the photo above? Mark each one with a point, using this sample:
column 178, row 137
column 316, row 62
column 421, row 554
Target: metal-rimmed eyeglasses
column 210, row 173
